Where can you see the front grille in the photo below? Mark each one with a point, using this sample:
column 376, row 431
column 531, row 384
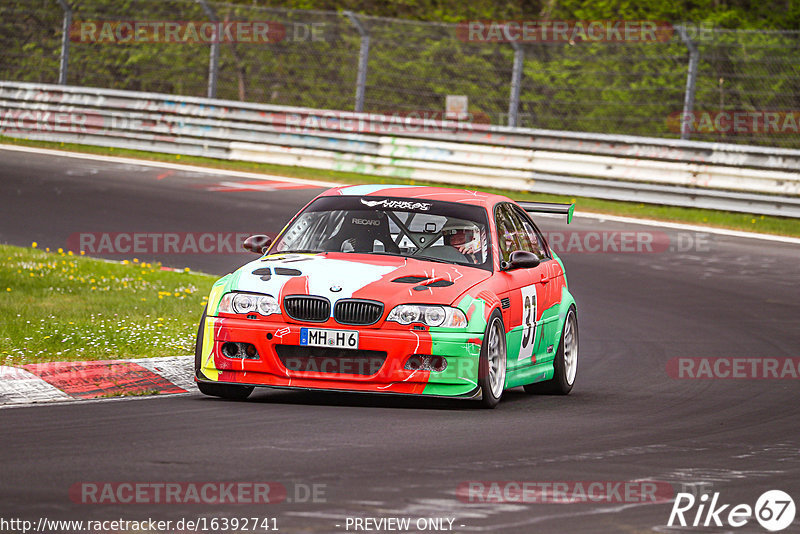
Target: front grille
column 357, row 312
column 330, row 360
column 305, row 308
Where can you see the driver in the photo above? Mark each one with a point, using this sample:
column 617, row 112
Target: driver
column 465, row 238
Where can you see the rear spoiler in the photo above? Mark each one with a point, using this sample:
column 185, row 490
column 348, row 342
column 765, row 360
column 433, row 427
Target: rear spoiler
column 549, row 207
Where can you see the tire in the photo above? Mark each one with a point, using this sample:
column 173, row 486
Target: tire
column 565, row 363
column 198, row 344
column 492, row 366
column 226, row 391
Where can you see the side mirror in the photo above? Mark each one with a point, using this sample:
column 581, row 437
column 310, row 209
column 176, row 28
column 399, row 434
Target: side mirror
column 521, row 259
column 257, row 243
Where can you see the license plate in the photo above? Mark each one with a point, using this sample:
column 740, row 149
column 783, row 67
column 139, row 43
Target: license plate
column 322, row 337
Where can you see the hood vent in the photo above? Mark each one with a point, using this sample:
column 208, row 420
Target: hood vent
column 283, row 271
column 410, row 279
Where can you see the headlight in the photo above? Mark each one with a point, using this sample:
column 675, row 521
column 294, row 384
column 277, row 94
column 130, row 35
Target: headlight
column 248, row 303
column 444, row 316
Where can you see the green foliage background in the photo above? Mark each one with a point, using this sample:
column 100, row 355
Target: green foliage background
column 751, row 61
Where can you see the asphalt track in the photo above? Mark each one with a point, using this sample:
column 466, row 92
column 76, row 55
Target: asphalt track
column 388, row 457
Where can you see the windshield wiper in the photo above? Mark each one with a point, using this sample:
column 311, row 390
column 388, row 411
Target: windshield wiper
column 300, row 251
column 437, row 260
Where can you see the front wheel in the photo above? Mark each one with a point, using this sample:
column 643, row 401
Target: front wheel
column 565, row 364
column 492, row 367
column 226, row 391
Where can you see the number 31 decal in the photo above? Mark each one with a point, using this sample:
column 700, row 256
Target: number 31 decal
column 528, row 322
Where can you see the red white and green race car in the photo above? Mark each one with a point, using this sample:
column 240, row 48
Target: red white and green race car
column 398, row 290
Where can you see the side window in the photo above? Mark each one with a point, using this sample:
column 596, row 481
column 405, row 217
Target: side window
column 520, row 228
column 506, row 232
column 533, row 236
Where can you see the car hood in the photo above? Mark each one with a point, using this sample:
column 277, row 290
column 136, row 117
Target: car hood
column 390, row 279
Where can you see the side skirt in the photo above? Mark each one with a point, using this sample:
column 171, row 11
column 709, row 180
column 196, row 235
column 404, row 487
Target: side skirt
column 529, row 375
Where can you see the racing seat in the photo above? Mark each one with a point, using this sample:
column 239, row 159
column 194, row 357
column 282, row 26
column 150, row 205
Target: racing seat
column 360, row 230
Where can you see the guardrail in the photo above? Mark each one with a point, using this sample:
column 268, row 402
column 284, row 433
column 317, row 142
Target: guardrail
column 673, row 172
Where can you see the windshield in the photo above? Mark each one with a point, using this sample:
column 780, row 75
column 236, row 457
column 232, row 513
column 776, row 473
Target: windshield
column 439, row 231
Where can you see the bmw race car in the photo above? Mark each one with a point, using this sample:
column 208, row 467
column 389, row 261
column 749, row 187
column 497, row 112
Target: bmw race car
column 396, row 290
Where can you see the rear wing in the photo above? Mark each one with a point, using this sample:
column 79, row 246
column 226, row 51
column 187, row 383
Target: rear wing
column 549, row 207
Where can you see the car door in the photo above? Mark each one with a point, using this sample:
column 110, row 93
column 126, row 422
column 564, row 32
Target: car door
column 549, row 279
column 525, row 289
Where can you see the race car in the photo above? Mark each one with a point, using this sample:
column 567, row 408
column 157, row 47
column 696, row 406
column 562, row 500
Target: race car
column 395, row 290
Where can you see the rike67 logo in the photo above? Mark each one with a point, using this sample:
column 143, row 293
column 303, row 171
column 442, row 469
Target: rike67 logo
column 774, row 510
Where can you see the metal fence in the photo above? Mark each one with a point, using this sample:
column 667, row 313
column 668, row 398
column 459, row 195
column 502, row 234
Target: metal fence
column 740, row 178
column 340, row 60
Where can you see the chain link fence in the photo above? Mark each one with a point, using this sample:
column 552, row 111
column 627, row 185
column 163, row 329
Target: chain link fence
column 740, row 86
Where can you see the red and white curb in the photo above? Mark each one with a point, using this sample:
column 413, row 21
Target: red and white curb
column 67, row 381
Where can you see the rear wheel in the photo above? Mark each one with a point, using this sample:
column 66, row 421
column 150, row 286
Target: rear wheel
column 565, row 364
column 492, row 367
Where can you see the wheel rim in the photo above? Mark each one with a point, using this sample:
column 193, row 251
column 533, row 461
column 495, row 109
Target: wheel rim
column 570, row 348
column 497, row 361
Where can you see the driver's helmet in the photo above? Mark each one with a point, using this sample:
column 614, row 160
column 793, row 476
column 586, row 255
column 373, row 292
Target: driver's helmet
column 465, row 237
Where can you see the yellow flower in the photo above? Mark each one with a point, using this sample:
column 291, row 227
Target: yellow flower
column 186, row 269
column 69, row 253
column 60, row 250
column 82, row 253
column 8, row 289
column 135, row 260
column 125, row 262
column 34, row 244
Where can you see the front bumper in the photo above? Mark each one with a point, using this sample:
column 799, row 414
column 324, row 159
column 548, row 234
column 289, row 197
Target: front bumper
column 343, row 371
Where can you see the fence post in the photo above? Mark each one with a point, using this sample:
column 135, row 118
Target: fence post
column 65, row 26
column 213, row 60
column 516, row 81
column 691, row 79
column 363, row 56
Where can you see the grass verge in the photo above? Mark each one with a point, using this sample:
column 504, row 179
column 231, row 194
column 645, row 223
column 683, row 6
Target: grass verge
column 720, row 219
column 56, row 306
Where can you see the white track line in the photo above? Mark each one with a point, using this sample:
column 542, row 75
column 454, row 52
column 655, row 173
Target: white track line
column 320, row 183
column 167, row 165
column 689, row 227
